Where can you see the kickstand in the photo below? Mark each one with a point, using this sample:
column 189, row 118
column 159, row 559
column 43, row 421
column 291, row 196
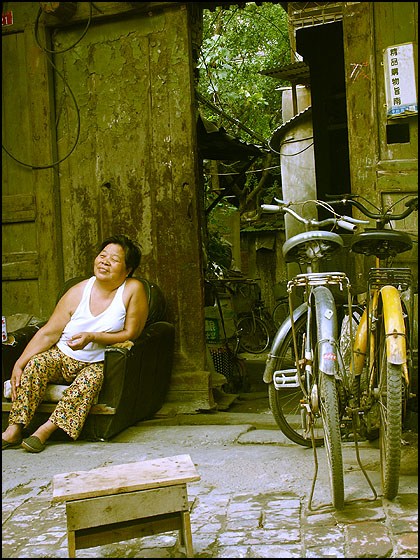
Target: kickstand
column 356, row 445
column 311, row 428
column 310, row 508
column 321, row 506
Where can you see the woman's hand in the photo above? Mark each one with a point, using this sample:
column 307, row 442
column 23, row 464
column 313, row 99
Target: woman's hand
column 80, row 340
column 15, row 379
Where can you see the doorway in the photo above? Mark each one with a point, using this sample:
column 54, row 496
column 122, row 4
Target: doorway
column 322, row 49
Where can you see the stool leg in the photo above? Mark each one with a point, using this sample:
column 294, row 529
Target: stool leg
column 71, row 543
column 186, row 532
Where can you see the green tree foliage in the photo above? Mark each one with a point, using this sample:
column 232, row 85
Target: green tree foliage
column 237, row 44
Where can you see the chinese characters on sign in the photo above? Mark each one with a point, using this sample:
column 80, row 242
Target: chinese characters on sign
column 400, row 82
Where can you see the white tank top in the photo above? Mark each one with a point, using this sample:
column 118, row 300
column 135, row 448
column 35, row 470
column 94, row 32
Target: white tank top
column 112, row 319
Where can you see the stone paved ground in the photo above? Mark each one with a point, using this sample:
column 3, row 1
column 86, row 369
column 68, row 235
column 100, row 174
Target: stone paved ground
column 265, row 525
column 251, row 501
column 243, row 506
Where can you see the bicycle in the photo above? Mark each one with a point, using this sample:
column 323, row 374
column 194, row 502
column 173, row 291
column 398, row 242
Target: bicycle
column 225, row 358
column 254, row 332
column 312, row 393
column 254, row 324
column 302, row 369
column 383, row 345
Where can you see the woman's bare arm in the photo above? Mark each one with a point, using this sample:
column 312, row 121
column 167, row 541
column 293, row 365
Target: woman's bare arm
column 49, row 334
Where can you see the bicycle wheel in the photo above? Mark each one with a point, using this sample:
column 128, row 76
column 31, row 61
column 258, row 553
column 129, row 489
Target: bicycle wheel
column 254, row 335
column 390, row 397
column 332, row 437
column 285, row 403
column 280, row 312
column 238, row 381
column 325, row 347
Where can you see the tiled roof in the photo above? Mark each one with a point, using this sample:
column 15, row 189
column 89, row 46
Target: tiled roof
column 282, row 129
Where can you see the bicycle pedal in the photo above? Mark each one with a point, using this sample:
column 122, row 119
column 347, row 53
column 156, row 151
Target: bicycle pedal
column 282, row 378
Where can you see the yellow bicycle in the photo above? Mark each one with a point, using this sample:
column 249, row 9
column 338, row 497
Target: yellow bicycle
column 383, row 344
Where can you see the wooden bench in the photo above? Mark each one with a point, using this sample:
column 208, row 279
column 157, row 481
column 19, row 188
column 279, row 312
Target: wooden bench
column 121, row 502
column 53, row 394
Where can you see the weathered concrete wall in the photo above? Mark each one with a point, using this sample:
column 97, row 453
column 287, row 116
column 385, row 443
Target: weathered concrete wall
column 134, row 169
column 382, row 172
column 265, row 261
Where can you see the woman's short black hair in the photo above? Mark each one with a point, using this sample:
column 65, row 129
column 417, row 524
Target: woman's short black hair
column 132, row 251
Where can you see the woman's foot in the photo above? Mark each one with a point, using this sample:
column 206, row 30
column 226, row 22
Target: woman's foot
column 44, row 431
column 36, row 442
column 12, row 436
column 33, row 444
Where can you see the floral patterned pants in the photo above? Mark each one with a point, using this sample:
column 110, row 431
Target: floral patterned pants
column 53, row 366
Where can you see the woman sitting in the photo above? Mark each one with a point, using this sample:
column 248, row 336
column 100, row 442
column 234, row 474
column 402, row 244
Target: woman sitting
column 108, row 308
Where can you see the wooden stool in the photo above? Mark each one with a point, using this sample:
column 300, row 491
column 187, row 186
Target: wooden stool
column 121, row 502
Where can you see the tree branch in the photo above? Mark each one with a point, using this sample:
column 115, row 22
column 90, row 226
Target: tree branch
column 231, row 119
column 261, row 182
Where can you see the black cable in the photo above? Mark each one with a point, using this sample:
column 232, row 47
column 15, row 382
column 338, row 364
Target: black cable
column 71, row 46
column 289, row 155
column 77, row 134
column 44, row 49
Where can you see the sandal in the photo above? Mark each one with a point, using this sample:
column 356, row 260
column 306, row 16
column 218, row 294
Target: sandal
column 10, row 444
column 33, row 444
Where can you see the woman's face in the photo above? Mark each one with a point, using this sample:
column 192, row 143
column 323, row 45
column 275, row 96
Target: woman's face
column 110, row 264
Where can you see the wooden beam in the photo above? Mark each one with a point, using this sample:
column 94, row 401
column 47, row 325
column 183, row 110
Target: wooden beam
column 50, row 407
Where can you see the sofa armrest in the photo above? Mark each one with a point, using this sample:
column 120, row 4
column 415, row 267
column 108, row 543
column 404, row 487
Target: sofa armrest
column 136, row 381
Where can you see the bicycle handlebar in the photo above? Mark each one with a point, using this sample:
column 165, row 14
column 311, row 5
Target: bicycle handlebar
column 382, row 218
column 345, row 222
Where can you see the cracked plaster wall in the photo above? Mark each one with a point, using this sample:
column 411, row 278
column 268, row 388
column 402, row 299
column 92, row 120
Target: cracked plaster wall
column 134, row 169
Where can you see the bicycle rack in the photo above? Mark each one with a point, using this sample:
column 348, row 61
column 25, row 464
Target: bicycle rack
column 401, row 278
column 319, row 279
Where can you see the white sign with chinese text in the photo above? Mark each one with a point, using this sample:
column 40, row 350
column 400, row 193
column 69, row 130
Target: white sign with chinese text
column 400, row 81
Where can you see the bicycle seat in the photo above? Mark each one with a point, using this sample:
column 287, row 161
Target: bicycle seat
column 381, row 242
column 310, row 246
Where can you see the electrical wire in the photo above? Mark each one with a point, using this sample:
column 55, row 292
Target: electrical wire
column 71, row 46
column 46, row 51
column 289, row 142
column 295, row 154
column 77, row 133
column 246, row 172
